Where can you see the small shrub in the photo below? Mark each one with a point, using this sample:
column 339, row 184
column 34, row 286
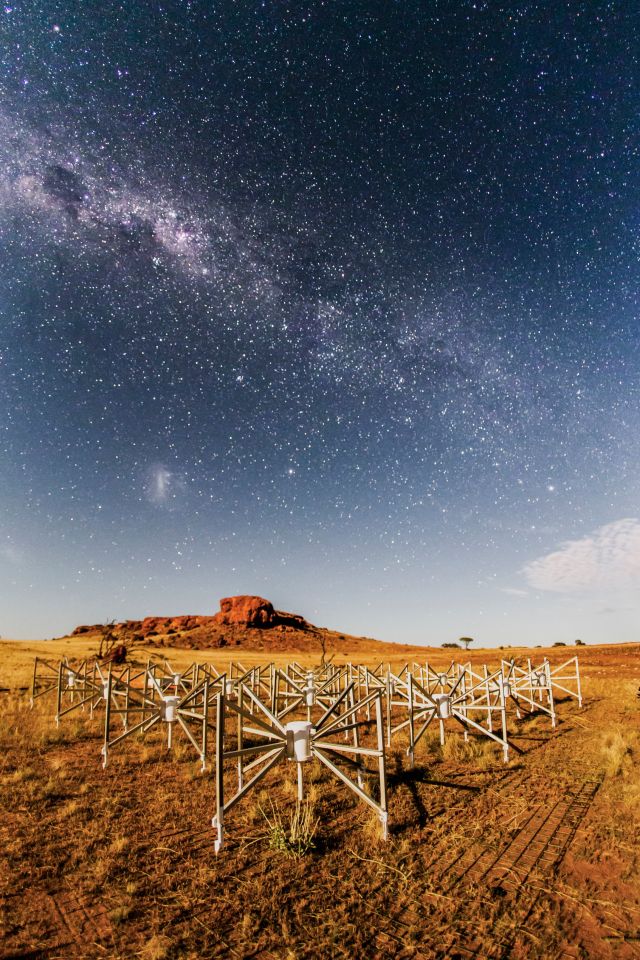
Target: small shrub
column 293, row 837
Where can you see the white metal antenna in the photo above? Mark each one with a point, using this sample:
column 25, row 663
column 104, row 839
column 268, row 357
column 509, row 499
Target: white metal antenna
column 298, row 741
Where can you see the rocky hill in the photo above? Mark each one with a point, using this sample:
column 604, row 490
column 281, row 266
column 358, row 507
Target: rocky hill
column 244, row 622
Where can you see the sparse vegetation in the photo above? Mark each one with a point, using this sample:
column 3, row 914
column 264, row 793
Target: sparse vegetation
column 291, row 834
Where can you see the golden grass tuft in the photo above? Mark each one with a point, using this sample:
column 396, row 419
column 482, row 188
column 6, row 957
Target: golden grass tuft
column 157, row 948
column 618, row 748
column 458, row 749
column 118, row 845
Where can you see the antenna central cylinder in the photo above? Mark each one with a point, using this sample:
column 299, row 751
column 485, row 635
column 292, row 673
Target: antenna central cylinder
column 298, row 740
column 169, row 709
column 443, row 704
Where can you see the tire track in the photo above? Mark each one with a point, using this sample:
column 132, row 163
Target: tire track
column 536, row 851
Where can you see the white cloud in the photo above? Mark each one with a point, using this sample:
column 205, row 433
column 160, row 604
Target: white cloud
column 514, row 592
column 609, row 557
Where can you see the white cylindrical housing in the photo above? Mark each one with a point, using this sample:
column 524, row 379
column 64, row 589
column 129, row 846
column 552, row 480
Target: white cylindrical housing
column 299, row 740
column 310, row 691
column 443, row 679
column 71, row 679
column 228, row 688
column 170, row 709
column 443, row 705
column 177, row 677
column 539, row 678
column 105, row 689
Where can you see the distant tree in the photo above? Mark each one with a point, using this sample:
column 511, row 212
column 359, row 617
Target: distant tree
column 322, row 643
column 466, row 641
column 580, row 643
column 114, row 644
column 558, row 643
column 451, row 645
column 108, row 639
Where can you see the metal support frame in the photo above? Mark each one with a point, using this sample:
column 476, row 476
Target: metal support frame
column 423, row 707
column 172, row 681
column 85, row 687
column 310, row 690
column 46, row 677
column 367, row 680
column 567, row 672
column 441, row 681
column 530, row 687
column 298, row 741
column 173, row 709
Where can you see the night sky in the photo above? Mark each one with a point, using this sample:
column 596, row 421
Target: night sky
column 332, row 302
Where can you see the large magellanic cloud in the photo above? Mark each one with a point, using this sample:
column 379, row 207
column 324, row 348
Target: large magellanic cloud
column 609, row 558
column 163, row 486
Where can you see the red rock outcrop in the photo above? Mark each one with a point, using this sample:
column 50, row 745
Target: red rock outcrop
column 247, row 610
column 251, row 611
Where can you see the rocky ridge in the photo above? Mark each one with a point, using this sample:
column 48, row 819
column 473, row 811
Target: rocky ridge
column 248, row 622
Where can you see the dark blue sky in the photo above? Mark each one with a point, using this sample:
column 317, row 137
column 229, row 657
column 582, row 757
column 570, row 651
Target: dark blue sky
column 332, row 302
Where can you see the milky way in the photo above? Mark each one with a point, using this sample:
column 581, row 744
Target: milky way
column 336, row 303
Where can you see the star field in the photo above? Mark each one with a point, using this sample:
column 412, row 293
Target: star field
column 332, row 302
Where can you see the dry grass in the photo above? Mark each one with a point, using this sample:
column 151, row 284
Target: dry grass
column 618, row 748
column 119, row 863
column 294, row 833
